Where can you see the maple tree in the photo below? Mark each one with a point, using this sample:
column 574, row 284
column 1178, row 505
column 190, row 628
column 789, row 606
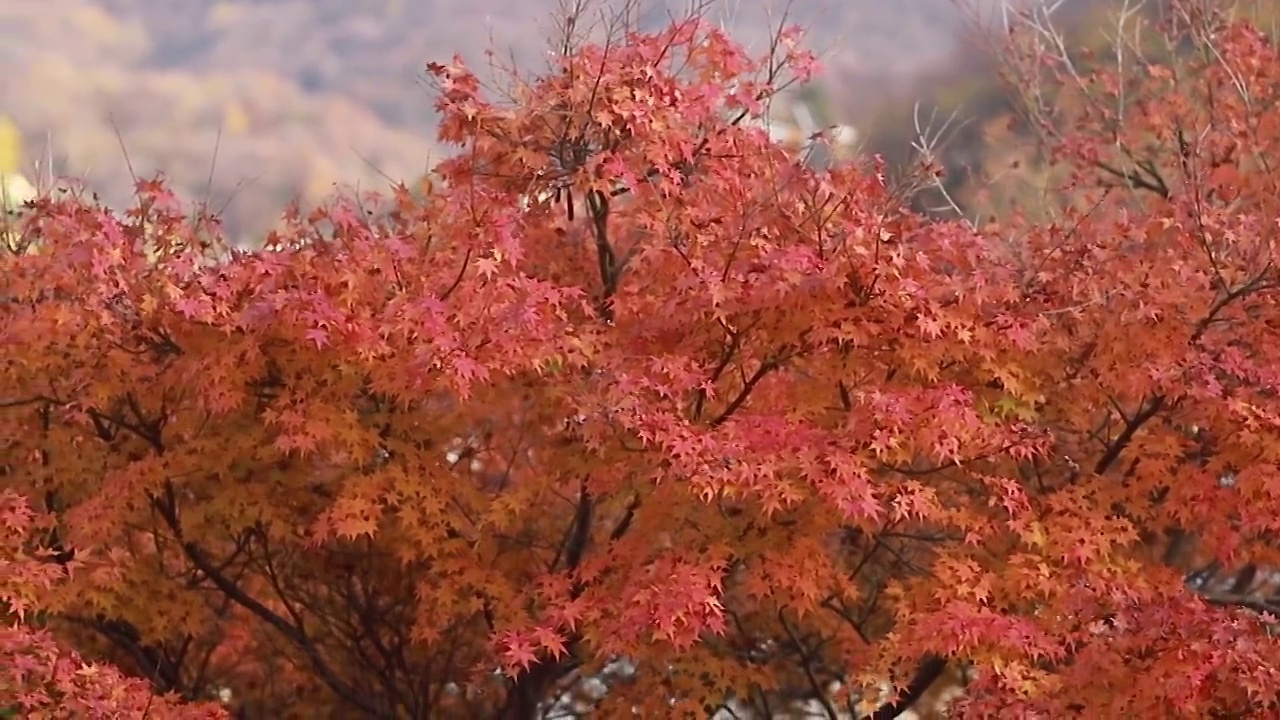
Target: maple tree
column 1162, row 123
column 631, row 411
column 41, row 678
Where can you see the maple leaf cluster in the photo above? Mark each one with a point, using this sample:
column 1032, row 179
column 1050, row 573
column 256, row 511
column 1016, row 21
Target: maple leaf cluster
column 631, row 410
column 40, row 677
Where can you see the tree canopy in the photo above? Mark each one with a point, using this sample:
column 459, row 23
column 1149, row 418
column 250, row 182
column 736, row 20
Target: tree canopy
column 631, row 410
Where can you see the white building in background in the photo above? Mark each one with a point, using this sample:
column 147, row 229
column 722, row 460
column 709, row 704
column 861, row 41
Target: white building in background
column 15, row 190
column 792, row 122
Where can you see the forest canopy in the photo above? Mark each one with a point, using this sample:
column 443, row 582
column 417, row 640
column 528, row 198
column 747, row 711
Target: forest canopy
column 629, row 409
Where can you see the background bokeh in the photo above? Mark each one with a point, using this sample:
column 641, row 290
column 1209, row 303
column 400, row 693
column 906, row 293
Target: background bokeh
column 247, row 104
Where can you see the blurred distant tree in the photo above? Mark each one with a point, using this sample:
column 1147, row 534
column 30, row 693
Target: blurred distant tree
column 10, row 145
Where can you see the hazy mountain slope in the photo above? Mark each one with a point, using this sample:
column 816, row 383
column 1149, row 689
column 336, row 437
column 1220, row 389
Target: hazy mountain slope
column 311, row 92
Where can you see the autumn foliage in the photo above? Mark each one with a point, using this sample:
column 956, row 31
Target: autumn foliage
column 630, row 410
column 40, row 676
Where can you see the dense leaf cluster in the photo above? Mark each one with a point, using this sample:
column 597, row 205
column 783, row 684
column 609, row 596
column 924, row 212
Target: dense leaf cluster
column 630, row 410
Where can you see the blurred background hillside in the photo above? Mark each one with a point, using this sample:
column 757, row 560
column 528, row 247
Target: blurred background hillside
column 309, row 93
